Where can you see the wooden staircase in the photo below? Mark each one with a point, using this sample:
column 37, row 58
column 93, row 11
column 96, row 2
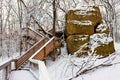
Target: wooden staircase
column 30, row 37
column 40, row 50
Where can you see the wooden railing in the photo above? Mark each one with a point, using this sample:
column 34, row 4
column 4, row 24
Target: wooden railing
column 39, row 51
column 6, row 67
column 30, row 52
column 36, row 60
column 43, row 52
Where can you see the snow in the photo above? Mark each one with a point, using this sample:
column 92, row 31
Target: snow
column 40, row 72
column 108, row 73
column 62, row 68
column 3, row 62
column 81, row 38
column 99, row 39
column 117, row 46
column 101, row 27
column 84, row 10
column 86, row 22
column 43, row 71
column 21, row 75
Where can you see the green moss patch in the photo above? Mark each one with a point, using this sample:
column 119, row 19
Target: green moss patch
column 75, row 41
column 84, row 51
column 93, row 16
column 73, row 29
column 105, row 50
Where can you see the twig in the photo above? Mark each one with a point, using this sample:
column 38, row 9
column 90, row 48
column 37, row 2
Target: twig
column 89, row 69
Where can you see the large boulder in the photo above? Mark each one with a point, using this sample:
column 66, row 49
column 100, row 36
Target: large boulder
column 74, row 42
column 86, row 32
column 82, row 21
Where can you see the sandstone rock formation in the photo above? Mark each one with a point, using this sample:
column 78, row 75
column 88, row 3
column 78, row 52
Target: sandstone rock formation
column 81, row 26
column 83, row 21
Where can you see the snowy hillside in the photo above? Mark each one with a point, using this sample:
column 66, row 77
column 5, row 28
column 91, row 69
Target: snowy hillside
column 39, row 15
column 66, row 66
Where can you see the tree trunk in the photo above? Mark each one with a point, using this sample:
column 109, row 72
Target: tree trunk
column 1, row 26
column 54, row 17
column 20, row 23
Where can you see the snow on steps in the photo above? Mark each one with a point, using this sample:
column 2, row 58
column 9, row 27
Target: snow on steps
column 22, row 75
column 42, row 73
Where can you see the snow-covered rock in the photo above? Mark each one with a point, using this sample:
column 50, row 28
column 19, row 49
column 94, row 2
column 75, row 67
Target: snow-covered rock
column 83, row 21
column 101, row 44
column 99, row 39
column 102, row 28
column 74, row 42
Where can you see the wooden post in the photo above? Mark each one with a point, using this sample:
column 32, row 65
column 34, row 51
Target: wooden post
column 44, row 55
column 6, row 75
column 54, row 50
column 59, row 51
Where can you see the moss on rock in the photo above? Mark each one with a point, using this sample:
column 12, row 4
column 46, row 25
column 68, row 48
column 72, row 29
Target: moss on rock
column 80, row 25
column 84, row 51
column 105, row 50
column 75, row 41
column 79, row 29
column 81, row 16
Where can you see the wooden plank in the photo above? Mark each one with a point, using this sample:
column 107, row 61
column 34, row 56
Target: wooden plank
column 40, row 55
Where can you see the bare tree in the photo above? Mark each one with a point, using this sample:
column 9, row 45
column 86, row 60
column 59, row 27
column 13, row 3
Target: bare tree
column 54, row 16
column 20, row 22
column 1, row 22
column 111, row 12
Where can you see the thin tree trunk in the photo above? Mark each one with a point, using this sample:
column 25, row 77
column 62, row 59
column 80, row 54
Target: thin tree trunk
column 54, row 17
column 20, row 23
column 1, row 26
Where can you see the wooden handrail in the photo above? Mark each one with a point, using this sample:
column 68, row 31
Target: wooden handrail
column 5, row 64
column 44, row 50
column 39, row 51
column 7, row 67
column 30, row 52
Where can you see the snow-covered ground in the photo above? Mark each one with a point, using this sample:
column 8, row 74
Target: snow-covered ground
column 107, row 73
column 63, row 69
column 21, row 75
